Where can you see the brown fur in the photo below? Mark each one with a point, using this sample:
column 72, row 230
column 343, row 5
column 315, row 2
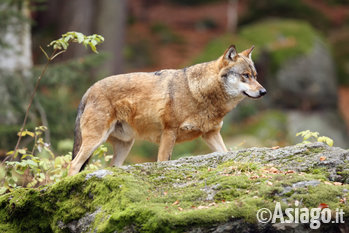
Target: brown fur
column 165, row 107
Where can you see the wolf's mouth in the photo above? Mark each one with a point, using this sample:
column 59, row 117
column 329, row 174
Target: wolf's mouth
column 253, row 97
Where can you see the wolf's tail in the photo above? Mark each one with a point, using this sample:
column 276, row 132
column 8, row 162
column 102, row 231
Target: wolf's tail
column 77, row 130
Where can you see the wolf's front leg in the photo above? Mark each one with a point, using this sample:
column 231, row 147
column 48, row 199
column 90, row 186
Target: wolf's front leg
column 167, row 142
column 215, row 141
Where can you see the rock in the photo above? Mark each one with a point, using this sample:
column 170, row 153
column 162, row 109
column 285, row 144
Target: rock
column 98, row 174
column 81, row 225
column 218, row 192
column 307, row 81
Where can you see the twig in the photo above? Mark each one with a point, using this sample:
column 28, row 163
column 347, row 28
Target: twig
column 53, row 55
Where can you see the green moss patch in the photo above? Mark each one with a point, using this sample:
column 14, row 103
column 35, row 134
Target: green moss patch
column 166, row 197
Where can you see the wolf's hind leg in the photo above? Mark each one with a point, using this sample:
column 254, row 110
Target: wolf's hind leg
column 85, row 152
column 92, row 136
column 121, row 150
column 214, row 140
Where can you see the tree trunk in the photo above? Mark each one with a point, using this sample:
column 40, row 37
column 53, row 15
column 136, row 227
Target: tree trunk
column 111, row 20
column 232, row 16
column 76, row 15
column 15, row 59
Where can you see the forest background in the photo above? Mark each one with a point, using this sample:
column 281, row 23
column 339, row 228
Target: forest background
column 302, row 57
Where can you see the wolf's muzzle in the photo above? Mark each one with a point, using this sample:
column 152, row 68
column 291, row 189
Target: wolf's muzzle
column 262, row 92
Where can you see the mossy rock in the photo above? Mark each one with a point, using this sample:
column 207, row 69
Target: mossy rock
column 218, row 192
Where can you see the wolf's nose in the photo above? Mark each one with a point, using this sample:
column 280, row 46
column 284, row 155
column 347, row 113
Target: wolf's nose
column 262, row 92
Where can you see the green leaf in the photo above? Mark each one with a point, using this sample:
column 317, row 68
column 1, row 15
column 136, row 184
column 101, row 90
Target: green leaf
column 93, row 47
column 22, row 151
column 41, row 127
column 326, row 140
column 31, row 163
column 58, row 160
column 80, row 37
column 3, row 190
column 307, row 136
column 10, row 152
column 42, row 176
column 20, row 171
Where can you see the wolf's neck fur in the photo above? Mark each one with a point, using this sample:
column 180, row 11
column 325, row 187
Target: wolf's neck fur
column 208, row 89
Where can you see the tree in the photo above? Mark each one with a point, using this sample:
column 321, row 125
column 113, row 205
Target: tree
column 15, row 61
column 111, row 20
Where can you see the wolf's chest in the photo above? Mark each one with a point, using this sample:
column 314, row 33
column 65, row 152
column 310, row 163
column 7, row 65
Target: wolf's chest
column 200, row 124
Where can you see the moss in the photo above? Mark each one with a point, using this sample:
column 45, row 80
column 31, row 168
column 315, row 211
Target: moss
column 343, row 171
column 161, row 198
column 314, row 150
column 320, row 171
column 24, row 210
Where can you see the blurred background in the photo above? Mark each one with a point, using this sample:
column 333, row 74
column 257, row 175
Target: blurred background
column 301, row 55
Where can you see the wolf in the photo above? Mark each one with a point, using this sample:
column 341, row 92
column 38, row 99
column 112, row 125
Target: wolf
column 165, row 107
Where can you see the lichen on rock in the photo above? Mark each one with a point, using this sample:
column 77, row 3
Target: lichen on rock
column 218, row 192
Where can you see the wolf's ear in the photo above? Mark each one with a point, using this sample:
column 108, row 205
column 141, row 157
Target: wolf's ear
column 248, row 52
column 230, row 53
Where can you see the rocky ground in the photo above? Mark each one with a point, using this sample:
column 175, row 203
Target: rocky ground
column 218, row 192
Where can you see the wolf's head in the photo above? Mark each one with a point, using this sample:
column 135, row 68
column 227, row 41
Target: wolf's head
column 238, row 74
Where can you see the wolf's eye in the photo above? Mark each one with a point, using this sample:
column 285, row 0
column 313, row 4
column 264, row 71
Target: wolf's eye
column 247, row 76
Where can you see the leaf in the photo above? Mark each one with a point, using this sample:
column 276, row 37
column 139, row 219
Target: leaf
column 31, row 134
column 80, row 37
column 20, row 171
column 326, row 140
column 3, row 190
column 10, row 152
column 307, row 136
column 22, row 151
column 176, row 202
column 64, row 45
column 31, row 184
column 42, row 176
column 31, row 163
column 93, row 47
column 323, row 206
column 58, row 160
